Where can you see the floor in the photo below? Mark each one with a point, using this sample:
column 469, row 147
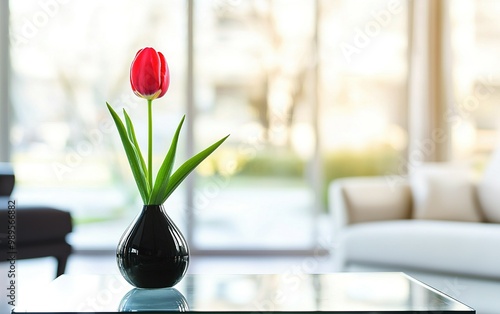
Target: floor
column 32, row 275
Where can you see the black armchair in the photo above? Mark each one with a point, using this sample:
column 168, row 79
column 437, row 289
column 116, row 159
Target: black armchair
column 40, row 231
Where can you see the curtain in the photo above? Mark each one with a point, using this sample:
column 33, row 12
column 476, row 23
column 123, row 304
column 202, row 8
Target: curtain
column 428, row 83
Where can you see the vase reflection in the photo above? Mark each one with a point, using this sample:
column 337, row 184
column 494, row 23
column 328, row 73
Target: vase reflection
column 154, row 300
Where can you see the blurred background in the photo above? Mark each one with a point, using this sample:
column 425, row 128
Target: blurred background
column 310, row 91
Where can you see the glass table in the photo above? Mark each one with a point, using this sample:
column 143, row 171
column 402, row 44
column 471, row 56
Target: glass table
column 215, row 293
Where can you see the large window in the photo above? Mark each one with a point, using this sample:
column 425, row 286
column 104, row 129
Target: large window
column 309, row 90
column 68, row 59
column 252, row 68
column 475, row 114
column 363, row 87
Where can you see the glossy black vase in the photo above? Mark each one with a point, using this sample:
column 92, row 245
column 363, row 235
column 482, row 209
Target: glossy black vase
column 153, row 253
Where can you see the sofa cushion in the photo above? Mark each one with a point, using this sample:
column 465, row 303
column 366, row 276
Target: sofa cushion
column 367, row 199
column 7, row 180
column 444, row 191
column 443, row 246
column 489, row 190
column 38, row 224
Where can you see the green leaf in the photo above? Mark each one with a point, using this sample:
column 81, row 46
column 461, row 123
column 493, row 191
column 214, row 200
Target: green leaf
column 139, row 175
column 163, row 176
column 186, row 168
column 133, row 140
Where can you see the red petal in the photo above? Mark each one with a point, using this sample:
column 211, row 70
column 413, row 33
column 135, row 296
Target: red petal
column 145, row 72
column 164, row 75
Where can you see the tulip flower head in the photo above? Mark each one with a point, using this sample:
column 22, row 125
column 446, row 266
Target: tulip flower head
column 149, row 74
column 150, row 78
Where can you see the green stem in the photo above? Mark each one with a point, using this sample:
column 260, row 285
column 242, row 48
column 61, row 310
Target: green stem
column 150, row 143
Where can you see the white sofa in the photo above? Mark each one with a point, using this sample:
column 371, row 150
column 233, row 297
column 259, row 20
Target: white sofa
column 376, row 228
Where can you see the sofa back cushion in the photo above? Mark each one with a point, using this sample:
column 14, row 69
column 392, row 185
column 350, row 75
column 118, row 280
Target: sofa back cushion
column 489, row 189
column 372, row 199
column 444, row 191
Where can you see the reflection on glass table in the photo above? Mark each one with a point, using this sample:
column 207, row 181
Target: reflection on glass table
column 152, row 300
column 212, row 293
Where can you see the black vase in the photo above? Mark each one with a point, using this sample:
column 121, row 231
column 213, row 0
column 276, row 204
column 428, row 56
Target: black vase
column 153, row 253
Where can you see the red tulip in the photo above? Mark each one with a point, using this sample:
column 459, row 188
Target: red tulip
column 149, row 74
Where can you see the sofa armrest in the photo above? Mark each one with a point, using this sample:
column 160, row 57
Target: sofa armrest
column 7, row 180
column 363, row 199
